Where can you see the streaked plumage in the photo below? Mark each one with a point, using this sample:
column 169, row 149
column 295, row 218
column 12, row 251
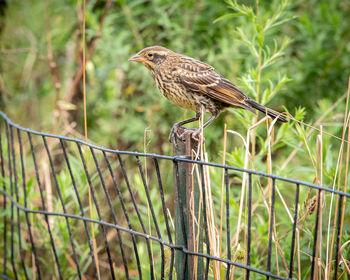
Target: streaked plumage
column 193, row 85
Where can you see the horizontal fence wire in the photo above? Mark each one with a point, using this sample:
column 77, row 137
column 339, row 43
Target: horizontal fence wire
column 52, row 227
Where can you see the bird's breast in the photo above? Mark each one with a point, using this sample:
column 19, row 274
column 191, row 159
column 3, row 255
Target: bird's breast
column 174, row 91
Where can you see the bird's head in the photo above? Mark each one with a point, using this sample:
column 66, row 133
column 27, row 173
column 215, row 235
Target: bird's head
column 151, row 57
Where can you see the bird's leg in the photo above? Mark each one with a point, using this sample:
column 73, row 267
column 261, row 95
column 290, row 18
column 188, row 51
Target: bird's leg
column 213, row 117
column 179, row 124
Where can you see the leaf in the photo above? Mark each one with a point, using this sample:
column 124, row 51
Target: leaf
column 226, row 16
column 281, row 22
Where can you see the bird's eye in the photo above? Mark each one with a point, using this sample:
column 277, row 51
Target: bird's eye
column 150, row 54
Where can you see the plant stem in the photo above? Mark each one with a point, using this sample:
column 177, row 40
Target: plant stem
column 222, row 190
column 257, row 100
column 86, row 139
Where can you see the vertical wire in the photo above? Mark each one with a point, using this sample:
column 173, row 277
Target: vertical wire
column 338, row 237
column 315, row 236
column 97, row 209
column 5, row 204
column 44, row 207
column 152, row 212
column 138, row 213
column 165, row 215
column 120, row 196
column 112, row 211
column 205, row 220
column 17, row 200
column 294, row 231
column 63, row 206
column 182, row 218
column 249, row 225
column 11, row 191
column 228, row 241
column 36, row 261
column 272, row 215
column 80, row 207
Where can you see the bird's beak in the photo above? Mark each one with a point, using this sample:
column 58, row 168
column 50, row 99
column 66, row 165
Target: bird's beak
column 138, row 58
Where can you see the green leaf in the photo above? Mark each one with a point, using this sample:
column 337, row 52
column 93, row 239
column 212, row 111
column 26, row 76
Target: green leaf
column 226, row 16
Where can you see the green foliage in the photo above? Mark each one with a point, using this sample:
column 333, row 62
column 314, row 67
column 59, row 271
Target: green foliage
column 122, row 98
column 320, row 51
column 290, row 56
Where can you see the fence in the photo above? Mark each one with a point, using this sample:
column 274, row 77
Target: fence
column 71, row 209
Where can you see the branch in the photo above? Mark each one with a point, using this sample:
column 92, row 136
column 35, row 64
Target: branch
column 91, row 49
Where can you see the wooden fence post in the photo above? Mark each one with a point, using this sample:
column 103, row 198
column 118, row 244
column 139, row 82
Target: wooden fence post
column 187, row 205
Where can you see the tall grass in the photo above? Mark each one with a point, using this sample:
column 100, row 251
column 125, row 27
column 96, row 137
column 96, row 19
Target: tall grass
column 248, row 45
column 254, row 32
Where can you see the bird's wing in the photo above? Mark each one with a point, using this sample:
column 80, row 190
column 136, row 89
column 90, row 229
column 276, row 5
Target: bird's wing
column 202, row 78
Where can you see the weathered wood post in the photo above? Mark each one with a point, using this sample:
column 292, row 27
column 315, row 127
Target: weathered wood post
column 187, row 200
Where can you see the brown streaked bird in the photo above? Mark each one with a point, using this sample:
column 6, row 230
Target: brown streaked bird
column 193, row 85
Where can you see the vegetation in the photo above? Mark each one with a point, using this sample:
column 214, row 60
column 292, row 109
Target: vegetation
column 290, row 56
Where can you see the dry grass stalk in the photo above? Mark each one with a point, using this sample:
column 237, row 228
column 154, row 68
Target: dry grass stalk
column 345, row 261
column 346, row 180
column 279, row 250
column 269, row 180
column 276, row 253
column 338, row 167
column 171, row 218
column 196, row 220
column 315, row 128
column 234, row 242
column 92, row 46
column 319, row 180
column 244, row 182
column 213, row 234
column 298, row 252
column 201, row 147
column 222, row 189
column 212, row 230
column 245, row 177
column 344, row 203
column 48, row 188
column 311, row 207
column 198, row 223
column 145, row 132
column 270, row 140
column 86, row 139
column 284, row 204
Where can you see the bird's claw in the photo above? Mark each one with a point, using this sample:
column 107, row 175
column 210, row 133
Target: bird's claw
column 196, row 134
column 173, row 133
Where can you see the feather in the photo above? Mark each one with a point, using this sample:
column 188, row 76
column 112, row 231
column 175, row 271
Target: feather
column 202, row 78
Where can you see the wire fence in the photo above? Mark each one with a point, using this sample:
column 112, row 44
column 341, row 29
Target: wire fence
column 52, row 228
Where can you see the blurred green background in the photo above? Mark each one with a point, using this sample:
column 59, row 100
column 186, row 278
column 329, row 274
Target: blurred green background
column 122, row 99
column 293, row 56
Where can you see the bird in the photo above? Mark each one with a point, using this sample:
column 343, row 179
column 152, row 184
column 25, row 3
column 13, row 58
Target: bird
column 194, row 85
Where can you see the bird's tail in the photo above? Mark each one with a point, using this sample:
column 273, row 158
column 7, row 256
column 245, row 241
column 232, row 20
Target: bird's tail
column 265, row 110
